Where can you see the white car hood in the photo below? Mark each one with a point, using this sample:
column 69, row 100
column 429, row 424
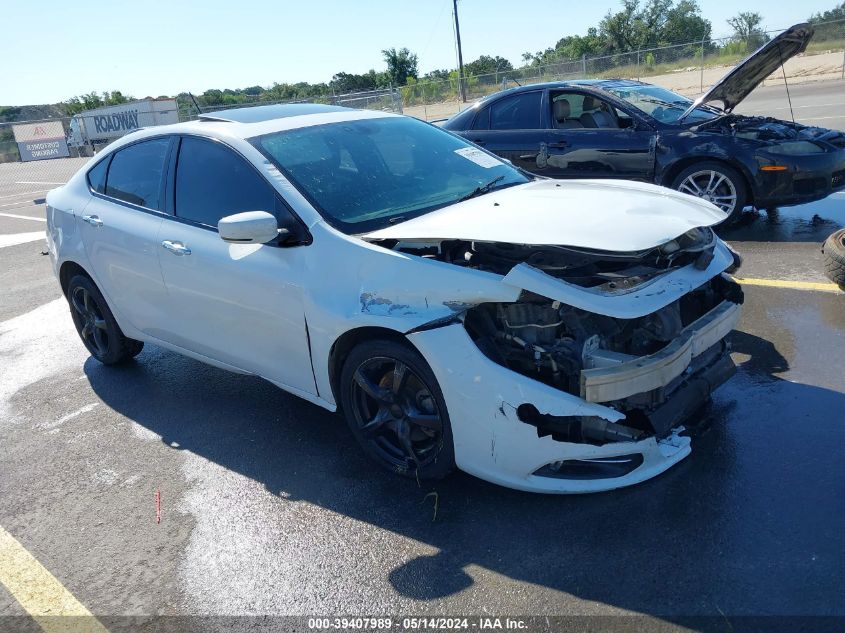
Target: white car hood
column 607, row 215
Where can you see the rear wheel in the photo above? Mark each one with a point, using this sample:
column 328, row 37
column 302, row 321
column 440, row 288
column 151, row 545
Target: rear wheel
column 393, row 404
column 716, row 183
column 96, row 325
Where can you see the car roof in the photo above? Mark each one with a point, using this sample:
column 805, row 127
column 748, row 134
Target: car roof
column 246, row 123
column 259, row 114
column 576, row 83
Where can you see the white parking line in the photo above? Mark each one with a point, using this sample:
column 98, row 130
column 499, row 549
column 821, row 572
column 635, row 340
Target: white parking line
column 20, row 238
column 15, row 204
column 22, row 217
column 39, row 182
column 24, row 193
column 70, row 416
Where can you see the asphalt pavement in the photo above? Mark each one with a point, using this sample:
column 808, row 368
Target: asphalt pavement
column 268, row 507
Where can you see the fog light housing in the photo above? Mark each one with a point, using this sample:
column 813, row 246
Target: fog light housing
column 593, row 468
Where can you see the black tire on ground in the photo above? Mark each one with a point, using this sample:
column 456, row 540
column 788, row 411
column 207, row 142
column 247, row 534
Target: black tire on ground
column 833, row 255
column 96, row 325
column 395, row 409
column 693, row 180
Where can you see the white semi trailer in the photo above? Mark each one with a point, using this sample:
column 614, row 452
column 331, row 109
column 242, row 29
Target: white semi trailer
column 97, row 127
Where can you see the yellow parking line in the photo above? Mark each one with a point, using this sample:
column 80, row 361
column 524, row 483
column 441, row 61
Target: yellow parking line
column 795, row 285
column 40, row 594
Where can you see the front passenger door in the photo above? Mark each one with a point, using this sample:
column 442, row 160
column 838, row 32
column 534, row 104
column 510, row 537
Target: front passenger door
column 239, row 304
column 609, row 150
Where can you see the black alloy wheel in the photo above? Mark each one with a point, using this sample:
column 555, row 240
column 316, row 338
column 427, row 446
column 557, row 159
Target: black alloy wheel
column 396, row 411
column 96, row 325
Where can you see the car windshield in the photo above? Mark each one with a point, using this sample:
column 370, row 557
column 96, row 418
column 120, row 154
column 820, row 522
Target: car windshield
column 664, row 105
column 366, row 174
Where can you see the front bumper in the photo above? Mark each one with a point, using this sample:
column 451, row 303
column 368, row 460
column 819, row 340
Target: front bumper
column 493, row 442
column 807, row 178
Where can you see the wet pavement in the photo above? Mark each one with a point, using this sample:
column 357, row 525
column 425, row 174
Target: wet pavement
column 268, row 506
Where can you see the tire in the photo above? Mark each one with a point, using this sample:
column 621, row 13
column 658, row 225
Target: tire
column 398, row 416
column 96, row 325
column 725, row 181
column 833, row 255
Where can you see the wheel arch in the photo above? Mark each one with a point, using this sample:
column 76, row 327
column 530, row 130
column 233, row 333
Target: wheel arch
column 350, row 339
column 679, row 165
column 68, row 270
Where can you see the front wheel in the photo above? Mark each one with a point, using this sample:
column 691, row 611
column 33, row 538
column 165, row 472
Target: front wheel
column 716, row 183
column 96, row 325
column 394, row 406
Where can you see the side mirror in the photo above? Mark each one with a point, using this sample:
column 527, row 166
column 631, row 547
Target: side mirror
column 250, row 227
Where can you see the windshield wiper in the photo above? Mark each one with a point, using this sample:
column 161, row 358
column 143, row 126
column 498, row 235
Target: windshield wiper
column 482, row 189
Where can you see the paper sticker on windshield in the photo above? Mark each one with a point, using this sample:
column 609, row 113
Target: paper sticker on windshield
column 478, row 157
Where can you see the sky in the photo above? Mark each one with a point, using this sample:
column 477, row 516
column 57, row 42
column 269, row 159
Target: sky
column 54, row 50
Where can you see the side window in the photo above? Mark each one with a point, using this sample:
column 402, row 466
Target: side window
column 213, row 182
column 575, row 101
column 518, row 112
column 97, row 176
column 136, row 173
column 482, row 119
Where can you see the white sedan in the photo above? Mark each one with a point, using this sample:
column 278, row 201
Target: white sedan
column 545, row 335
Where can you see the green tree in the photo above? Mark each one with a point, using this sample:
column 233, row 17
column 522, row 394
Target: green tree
column 747, row 26
column 829, row 31
column 486, row 65
column 401, row 64
column 92, row 100
column 652, row 24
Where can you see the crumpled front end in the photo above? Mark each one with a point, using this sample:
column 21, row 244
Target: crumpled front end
column 574, row 388
column 492, row 440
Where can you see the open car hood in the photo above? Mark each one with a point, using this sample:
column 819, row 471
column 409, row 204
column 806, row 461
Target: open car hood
column 604, row 215
column 750, row 73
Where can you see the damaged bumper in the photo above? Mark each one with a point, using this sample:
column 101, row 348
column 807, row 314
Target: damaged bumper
column 493, row 442
column 621, row 376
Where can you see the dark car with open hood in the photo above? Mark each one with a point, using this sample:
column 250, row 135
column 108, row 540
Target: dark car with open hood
column 633, row 130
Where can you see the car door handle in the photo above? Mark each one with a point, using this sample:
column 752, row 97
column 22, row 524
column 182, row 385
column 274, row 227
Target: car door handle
column 558, row 145
column 177, row 248
column 479, row 141
column 93, row 220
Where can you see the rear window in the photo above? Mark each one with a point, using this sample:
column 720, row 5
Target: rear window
column 136, row 173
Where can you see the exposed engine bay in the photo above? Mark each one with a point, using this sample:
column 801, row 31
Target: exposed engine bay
column 772, row 130
column 554, row 343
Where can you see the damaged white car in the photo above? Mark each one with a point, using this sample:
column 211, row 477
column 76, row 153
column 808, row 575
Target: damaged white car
column 550, row 336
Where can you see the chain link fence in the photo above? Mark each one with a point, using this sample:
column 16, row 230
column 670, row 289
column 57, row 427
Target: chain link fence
column 688, row 68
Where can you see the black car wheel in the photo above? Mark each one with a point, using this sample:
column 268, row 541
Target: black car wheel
column 716, row 183
column 833, row 256
column 96, row 325
column 393, row 404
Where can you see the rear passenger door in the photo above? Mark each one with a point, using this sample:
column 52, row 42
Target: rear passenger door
column 239, row 304
column 119, row 228
column 512, row 127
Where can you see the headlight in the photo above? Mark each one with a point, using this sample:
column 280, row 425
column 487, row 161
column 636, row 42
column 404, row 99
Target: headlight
column 794, row 148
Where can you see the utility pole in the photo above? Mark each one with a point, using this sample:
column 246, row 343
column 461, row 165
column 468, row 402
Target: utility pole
column 460, row 54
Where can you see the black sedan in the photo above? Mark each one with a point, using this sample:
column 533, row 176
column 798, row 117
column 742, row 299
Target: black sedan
column 633, row 130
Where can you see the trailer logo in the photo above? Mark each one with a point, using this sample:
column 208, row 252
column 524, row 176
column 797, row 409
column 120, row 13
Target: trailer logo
column 37, row 141
column 122, row 121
